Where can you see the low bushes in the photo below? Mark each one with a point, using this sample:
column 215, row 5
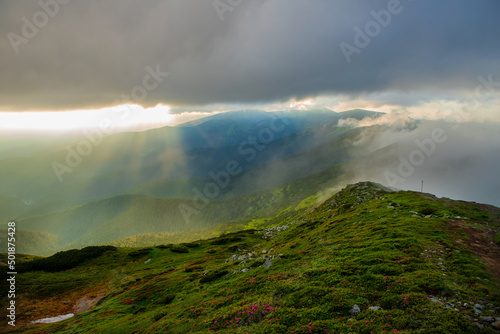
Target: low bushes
column 179, row 249
column 140, row 252
column 65, row 260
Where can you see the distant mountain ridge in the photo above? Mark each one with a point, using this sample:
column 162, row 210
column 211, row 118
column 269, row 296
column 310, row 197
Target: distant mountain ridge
column 281, row 163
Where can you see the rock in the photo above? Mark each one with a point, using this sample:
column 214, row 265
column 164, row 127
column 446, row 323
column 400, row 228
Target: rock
column 496, row 325
column 375, row 308
column 264, row 251
column 268, row 264
column 434, row 300
column 480, row 326
column 487, row 319
column 477, row 312
column 449, row 305
column 65, row 303
column 479, row 306
column 147, row 261
column 355, row 310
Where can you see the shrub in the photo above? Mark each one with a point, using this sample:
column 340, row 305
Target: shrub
column 191, row 244
column 257, row 264
column 159, row 315
column 65, row 260
column 212, row 276
column 140, row 252
column 194, row 268
column 179, row 249
column 426, row 211
column 165, row 299
column 224, row 240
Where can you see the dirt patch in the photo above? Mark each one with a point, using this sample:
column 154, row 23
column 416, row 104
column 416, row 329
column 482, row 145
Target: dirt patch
column 74, row 302
column 481, row 243
column 86, row 302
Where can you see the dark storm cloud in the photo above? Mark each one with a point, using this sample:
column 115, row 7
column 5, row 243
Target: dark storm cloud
column 91, row 52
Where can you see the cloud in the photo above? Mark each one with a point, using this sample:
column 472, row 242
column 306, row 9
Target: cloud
column 91, row 53
column 462, row 164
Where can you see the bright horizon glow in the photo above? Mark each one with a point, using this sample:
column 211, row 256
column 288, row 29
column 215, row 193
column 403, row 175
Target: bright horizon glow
column 134, row 118
column 121, row 118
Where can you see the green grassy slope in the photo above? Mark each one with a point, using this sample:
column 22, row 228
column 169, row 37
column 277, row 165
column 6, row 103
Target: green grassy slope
column 117, row 218
column 424, row 262
column 31, row 242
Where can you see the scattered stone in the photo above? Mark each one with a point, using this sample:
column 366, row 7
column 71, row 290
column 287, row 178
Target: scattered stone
column 449, row 305
column 268, row 264
column 147, row 261
column 480, row 326
column 479, row 306
column 264, row 251
column 375, row 308
column 355, row 310
column 434, row 300
column 272, row 232
column 477, row 312
column 487, row 319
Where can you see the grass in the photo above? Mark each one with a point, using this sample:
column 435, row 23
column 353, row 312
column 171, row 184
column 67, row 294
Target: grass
column 496, row 239
column 363, row 246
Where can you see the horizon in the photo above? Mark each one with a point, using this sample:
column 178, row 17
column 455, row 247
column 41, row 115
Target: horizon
column 225, row 62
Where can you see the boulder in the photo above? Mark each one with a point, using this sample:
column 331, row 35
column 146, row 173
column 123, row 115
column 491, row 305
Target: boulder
column 355, row 310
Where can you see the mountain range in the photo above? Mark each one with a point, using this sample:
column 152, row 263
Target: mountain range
column 216, row 174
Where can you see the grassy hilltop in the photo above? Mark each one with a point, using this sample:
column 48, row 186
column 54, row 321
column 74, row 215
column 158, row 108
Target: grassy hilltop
column 367, row 260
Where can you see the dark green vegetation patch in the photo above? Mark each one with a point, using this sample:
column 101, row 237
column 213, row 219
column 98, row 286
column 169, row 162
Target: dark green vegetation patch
column 65, row 260
column 179, row 249
column 140, row 252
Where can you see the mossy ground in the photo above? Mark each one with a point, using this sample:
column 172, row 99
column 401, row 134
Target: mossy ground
column 364, row 246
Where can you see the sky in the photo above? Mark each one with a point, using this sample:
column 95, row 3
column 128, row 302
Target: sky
column 63, row 60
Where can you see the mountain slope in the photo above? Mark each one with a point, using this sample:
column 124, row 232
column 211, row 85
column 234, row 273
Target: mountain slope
column 10, row 207
column 115, row 218
column 49, row 170
column 366, row 260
